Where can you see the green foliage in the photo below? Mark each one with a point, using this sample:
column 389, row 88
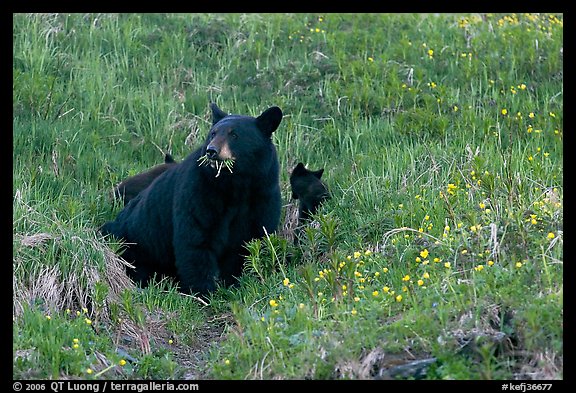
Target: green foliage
column 442, row 142
column 266, row 256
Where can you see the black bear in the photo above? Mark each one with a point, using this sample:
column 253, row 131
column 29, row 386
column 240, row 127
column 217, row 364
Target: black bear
column 309, row 190
column 192, row 222
column 130, row 187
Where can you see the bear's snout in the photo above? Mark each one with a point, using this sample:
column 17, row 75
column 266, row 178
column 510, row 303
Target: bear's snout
column 219, row 152
column 212, row 152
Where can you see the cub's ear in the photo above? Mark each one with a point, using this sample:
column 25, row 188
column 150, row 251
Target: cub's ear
column 168, row 159
column 217, row 113
column 269, row 120
column 298, row 169
column 318, row 173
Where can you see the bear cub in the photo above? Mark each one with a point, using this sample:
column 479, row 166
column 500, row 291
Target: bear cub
column 132, row 186
column 309, row 190
column 193, row 221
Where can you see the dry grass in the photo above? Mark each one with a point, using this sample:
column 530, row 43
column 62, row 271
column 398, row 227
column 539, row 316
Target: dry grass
column 73, row 289
column 377, row 364
column 542, row 366
column 290, row 221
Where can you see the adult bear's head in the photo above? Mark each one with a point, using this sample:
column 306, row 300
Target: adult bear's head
column 238, row 143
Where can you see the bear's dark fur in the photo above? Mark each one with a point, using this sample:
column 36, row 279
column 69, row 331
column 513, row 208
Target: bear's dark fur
column 192, row 222
column 309, row 190
column 132, row 186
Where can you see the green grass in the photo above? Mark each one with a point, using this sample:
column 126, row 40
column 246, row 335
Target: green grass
column 441, row 138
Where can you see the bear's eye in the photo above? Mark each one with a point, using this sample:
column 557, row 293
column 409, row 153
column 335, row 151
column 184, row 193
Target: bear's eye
column 233, row 135
column 212, row 134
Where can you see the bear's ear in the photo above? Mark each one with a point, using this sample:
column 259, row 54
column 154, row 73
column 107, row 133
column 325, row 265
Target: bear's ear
column 318, row 173
column 298, row 169
column 217, row 113
column 168, row 159
column 269, row 120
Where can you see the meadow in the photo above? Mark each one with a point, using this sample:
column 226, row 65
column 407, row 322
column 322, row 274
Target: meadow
column 439, row 255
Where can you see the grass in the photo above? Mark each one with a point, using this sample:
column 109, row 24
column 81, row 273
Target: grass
column 439, row 253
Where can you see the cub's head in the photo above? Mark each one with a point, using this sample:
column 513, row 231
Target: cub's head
column 235, row 142
column 308, row 188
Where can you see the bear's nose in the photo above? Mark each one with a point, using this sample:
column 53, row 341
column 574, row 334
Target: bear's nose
column 211, row 152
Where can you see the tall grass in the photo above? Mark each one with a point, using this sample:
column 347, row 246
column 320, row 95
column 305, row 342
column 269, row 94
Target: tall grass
column 441, row 138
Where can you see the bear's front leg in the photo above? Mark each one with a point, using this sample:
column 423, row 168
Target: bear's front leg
column 196, row 266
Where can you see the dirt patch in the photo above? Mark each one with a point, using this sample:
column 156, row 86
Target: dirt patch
column 193, row 358
column 154, row 334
